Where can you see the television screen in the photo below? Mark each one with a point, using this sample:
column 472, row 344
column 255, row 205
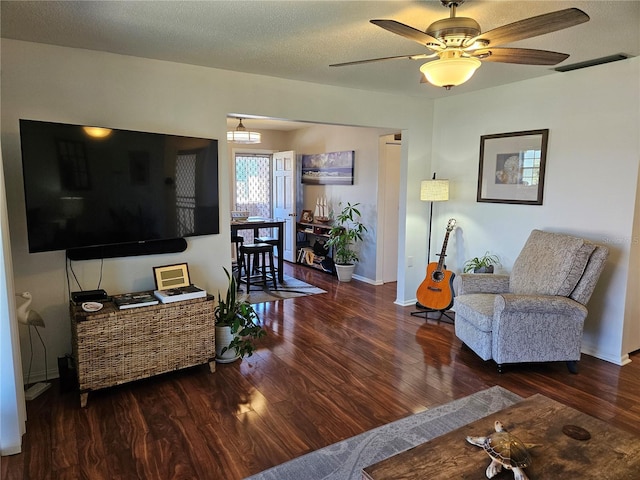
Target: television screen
column 87, row 186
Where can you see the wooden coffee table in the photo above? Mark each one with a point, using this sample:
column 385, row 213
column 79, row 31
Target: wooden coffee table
column 610, row 453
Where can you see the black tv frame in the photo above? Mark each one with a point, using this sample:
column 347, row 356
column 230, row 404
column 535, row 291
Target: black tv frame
column 148, row 245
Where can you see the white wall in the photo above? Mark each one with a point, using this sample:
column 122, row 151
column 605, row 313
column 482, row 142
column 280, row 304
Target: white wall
column 85, row 87
column 590, row 185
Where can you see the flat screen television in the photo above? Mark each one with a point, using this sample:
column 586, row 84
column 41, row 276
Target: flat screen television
column 88, row 186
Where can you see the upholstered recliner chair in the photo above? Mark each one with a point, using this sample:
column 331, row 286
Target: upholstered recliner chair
column 535, row 314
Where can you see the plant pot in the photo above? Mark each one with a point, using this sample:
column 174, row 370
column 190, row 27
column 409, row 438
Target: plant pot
column 345, row 272
column 488, row 269
column 223, row 339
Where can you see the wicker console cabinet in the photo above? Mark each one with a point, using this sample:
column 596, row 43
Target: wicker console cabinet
column 113, row 346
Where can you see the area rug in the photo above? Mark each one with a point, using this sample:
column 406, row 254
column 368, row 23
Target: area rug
column 289, row 288
column 346, row 459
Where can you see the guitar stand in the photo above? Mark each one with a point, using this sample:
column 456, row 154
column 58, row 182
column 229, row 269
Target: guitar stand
column 424, row 311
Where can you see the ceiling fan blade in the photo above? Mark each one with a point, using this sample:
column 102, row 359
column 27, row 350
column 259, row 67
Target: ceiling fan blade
column 357, row 62
column 408, row 32
column 532, row 27
column 523, row 56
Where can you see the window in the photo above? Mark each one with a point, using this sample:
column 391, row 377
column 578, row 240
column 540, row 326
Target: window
column 530, row 167
column 253, row 186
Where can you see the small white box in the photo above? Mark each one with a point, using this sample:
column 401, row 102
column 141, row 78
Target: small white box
column 179, row 294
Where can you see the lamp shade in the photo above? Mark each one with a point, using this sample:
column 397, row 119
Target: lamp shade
column 434, row 190
column 450, row 72
column 242, row 135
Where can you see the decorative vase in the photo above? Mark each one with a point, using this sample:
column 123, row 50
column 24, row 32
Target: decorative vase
column 223, row 338
column 345, row 272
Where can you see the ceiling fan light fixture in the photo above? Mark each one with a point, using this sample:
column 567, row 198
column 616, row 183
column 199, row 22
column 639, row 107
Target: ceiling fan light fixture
column 242, row 135
column 451, row 71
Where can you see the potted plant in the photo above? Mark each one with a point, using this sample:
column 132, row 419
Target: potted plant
column 346, row 232
column 483, row 264
column 236, row 325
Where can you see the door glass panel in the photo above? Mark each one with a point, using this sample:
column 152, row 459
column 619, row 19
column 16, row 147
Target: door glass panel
column 253, row 188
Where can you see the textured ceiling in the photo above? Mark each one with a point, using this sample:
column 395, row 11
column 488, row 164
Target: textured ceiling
column 300, row 39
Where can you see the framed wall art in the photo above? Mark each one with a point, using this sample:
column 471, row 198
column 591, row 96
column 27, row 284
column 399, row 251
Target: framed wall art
column 512, row 167
column 306, row 216
column 335, row 168
column 171, row 276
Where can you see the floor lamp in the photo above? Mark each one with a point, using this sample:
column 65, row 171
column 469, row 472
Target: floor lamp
column 432, row 191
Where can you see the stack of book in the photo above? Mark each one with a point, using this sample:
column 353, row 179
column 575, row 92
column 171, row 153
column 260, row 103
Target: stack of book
column 134, row 300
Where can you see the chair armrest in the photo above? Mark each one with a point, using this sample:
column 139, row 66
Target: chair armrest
column 481, row 283
column 538, row 304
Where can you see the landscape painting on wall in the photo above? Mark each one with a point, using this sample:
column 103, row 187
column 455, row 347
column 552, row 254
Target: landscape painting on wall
column 335, row 168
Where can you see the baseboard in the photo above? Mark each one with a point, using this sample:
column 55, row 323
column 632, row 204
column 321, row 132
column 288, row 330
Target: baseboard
column 11, row 449
column 406, row 303
column 595, row 352
column 626, row 359
column 41, row 376
column 366, row 280
column 35, row 390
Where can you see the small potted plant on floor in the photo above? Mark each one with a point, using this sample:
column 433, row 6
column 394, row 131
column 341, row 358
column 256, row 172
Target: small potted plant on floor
column 237, row 326
column 483, row 264
column 346, row 232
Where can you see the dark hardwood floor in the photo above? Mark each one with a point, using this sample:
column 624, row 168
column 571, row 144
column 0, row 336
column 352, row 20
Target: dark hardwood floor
column 332, row 366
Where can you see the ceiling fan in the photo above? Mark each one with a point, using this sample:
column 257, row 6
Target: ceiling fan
column 459, row 45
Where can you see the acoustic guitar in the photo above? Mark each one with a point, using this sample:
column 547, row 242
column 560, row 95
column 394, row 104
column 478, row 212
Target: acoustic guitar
column 436, row 290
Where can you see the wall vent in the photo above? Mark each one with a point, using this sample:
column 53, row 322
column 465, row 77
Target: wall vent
column 591, row 63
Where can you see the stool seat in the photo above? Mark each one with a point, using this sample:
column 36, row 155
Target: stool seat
column 271, row 241
column 257, row 247
column 257, row 273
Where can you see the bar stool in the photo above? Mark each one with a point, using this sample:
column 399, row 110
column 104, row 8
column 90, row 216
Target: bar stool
column 238, row 241
column 271, row 241
column 255, row 251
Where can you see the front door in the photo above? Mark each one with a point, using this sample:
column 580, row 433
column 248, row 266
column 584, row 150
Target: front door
column 284, row 199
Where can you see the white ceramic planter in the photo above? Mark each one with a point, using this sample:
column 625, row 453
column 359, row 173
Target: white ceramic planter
column 223, row 339
column 345, row 272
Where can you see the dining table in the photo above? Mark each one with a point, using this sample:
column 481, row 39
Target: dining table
column 255, row 224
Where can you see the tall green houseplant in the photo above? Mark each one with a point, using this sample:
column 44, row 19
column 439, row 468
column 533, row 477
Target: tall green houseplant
column 346, row 232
